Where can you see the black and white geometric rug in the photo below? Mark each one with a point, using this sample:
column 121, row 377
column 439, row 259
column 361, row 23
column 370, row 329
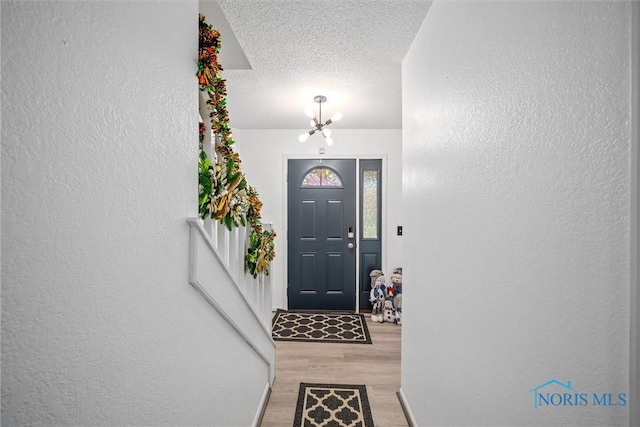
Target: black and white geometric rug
column 347, row 328
column 332, row 405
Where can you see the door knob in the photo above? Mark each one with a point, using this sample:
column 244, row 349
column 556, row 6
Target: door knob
column 350, row 245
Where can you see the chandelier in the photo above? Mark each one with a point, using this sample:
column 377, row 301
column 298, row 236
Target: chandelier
column 316, row 122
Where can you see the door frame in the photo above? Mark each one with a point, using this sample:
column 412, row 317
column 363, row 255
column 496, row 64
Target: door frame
column 285, row 219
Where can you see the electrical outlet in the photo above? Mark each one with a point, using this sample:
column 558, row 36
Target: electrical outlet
column 399, row 230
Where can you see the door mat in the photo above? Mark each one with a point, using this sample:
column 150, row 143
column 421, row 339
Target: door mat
column 332, row 405
column 347, row 328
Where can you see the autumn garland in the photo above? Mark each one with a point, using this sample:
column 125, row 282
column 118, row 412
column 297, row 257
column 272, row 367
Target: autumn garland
column 224, row 194
column 261, row 249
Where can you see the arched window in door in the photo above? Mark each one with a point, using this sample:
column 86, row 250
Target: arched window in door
column 322, row 177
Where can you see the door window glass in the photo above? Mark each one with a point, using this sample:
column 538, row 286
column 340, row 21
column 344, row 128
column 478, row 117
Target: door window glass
column 322, row 177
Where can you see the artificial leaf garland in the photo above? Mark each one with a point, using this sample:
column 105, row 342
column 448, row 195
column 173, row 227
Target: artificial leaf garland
column 224, row 194
column 260, row 253
column 211, row 81
column 261, row 249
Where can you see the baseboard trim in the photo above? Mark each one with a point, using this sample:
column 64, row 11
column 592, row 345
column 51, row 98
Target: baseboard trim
column 257, row 420
column 408, row 414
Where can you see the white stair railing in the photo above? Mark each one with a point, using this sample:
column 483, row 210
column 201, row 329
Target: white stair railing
column 231, row 246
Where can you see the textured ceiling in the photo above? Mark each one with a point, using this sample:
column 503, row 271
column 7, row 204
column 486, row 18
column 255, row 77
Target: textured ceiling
column 350, row 51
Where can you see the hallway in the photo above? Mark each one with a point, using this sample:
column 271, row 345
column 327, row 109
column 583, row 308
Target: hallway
column 376, row 365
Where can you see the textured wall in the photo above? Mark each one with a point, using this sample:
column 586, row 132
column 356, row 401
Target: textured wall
column 263, row 153
column 516, row 197
column 634, row 382
column 99, row 149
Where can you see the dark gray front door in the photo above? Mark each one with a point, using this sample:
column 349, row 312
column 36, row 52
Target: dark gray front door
column 321, row 229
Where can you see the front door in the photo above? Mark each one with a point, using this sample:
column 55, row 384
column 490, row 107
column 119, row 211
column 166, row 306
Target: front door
column 321, row 229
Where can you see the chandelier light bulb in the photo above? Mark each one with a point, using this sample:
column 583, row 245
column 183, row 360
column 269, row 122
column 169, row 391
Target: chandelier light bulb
column 337, row 116
column 329, row 141
column 303, row 137
column 326, row 133
column 312, row 123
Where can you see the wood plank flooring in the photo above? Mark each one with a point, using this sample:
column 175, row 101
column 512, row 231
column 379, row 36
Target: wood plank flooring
column 377, row 366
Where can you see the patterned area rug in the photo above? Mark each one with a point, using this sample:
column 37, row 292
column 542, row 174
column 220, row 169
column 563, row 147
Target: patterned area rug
column 322, row 327
column 332, row 405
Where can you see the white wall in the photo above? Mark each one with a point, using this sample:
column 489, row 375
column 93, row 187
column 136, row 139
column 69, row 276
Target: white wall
column 99, row 148
column 516, row 185
column 634, row 383
column 264, row 155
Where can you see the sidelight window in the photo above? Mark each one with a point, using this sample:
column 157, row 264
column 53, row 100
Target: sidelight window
column 370, row 204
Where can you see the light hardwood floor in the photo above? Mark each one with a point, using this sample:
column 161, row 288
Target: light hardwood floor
column 375, row 365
